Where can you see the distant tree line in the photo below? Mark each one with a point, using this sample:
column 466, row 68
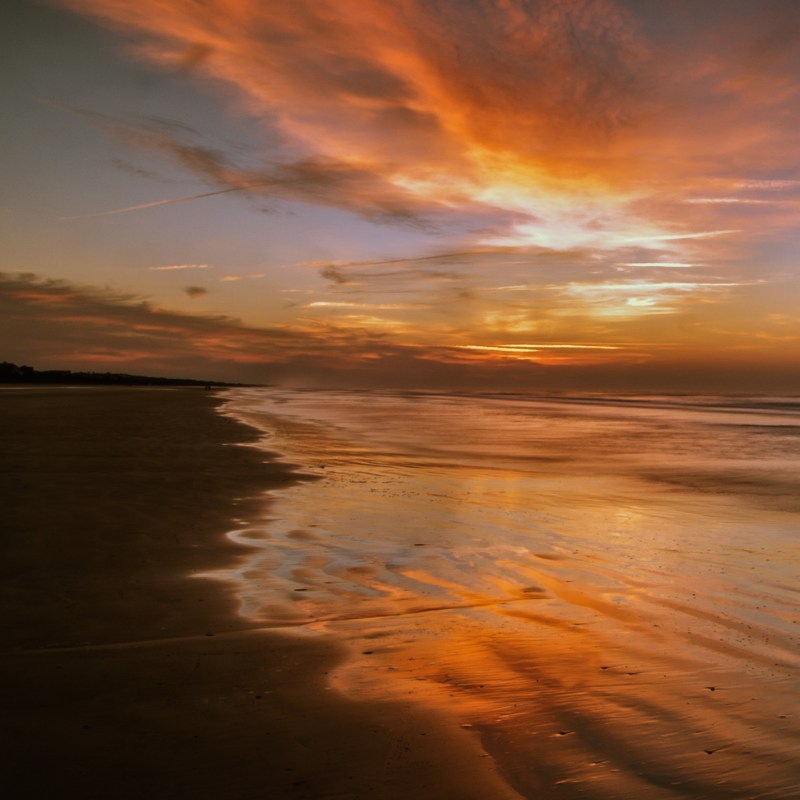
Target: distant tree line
column 11, row 373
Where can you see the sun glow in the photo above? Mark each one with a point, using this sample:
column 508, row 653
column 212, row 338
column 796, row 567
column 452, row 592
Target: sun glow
column 536, row 347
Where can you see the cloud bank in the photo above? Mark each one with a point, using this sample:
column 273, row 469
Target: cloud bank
column 54, row 324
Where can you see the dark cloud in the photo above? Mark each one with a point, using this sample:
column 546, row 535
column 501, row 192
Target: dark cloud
column 194, row 292
column 193, row 56
column 335, row 275
column 51, row 322
column 54, row 324
column 385, row 276
column 486, row 265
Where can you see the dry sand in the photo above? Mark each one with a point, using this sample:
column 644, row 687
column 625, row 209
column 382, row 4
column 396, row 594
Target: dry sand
column 123, row 677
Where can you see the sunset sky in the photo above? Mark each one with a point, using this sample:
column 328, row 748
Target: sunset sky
column 562, row 194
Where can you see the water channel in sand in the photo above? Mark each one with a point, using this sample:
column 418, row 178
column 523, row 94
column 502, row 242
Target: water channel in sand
column 605, row 588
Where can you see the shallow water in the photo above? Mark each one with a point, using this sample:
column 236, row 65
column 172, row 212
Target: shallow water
column 604, row 588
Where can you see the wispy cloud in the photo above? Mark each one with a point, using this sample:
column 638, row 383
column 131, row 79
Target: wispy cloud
column 660, row 264
column 253, row 276
column 768, row 184
column 746, row 201
column 372, row 306
column 171, row 267
column 532, row 348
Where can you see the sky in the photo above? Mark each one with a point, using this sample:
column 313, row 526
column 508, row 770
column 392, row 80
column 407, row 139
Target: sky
column 584, row 195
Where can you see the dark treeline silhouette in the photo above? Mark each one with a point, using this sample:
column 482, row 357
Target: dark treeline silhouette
column 11, row 373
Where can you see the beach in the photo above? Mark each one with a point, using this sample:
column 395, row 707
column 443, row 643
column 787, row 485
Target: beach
column 124, row 675
column 320, row 594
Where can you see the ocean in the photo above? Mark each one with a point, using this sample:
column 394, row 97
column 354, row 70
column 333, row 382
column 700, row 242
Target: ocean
column 603, row 588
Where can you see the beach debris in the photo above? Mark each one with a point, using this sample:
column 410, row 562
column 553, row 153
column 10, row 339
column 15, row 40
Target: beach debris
column 709, row 752
column 367, row 652
column 711, row 688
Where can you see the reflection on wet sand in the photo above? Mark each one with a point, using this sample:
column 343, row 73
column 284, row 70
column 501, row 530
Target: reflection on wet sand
column 537, row 570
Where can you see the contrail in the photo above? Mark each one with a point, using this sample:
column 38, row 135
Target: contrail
column 167, row 202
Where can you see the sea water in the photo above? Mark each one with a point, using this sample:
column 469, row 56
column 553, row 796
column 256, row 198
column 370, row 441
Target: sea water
column 605, row 588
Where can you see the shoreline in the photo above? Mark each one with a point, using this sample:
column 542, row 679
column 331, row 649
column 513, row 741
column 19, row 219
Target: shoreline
column 122, row 676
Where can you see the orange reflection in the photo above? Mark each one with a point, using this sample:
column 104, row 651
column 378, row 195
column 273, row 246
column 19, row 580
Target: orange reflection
column 519, row 566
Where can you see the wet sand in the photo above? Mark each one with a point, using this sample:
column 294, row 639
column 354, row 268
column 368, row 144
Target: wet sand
column 546, row 571
column 122, row 676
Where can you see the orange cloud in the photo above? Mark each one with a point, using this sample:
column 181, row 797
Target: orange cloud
column 557, row 116
column 554, row 123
